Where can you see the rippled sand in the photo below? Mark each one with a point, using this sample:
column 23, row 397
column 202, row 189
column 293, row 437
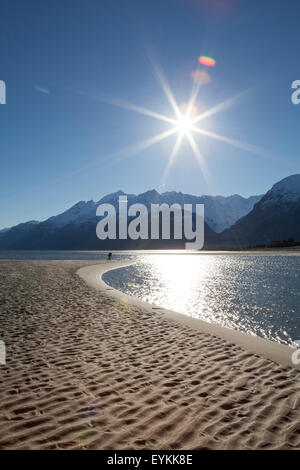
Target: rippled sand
column 85, row 371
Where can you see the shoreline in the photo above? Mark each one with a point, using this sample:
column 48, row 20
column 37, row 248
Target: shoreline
column 276, row 352
column 247, row 252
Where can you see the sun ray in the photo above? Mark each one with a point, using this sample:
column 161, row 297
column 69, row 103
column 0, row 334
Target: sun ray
column 142, row 145
column 236, row 143
column 172, row 156
column 166, row 88
column 193, row 98
column 127, row 105
column 220, row 107
column 124, row 154
column 198, row 156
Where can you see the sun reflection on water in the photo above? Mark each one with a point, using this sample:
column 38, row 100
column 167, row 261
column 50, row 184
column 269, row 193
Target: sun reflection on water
column 176, row 290
column 258, row 295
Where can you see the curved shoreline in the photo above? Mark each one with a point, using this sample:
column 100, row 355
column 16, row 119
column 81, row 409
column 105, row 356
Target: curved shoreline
column 271, row 350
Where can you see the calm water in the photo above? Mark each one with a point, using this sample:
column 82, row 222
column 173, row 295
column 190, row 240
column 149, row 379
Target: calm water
column 259, row 295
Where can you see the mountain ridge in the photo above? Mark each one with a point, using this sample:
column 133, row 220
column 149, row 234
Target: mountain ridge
column 221, row 211
column 273, row 216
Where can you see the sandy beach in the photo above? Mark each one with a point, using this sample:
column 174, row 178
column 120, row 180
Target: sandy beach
column 89, row 369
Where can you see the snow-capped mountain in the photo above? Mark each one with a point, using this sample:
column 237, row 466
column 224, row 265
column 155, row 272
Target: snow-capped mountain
column 82, row 211
column 256, row 220
column 220, row 212
column 285, row 191
column 275, row 217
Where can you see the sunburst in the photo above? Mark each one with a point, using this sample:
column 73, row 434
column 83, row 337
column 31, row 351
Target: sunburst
column 184, row 124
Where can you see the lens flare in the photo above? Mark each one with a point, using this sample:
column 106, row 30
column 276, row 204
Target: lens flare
column 208, row 61
column 189, row 110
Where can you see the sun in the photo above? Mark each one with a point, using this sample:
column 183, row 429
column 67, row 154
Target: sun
column 184, row 125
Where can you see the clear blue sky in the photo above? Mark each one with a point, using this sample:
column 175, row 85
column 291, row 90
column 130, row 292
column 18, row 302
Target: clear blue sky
column 57, row 145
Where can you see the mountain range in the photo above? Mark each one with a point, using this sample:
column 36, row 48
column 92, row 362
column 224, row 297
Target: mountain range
column 220, row 212
column 230, row 222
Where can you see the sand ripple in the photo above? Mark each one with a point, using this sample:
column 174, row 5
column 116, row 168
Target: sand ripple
column 86, row 373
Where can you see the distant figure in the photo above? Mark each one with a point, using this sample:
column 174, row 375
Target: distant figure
column 109, row 256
